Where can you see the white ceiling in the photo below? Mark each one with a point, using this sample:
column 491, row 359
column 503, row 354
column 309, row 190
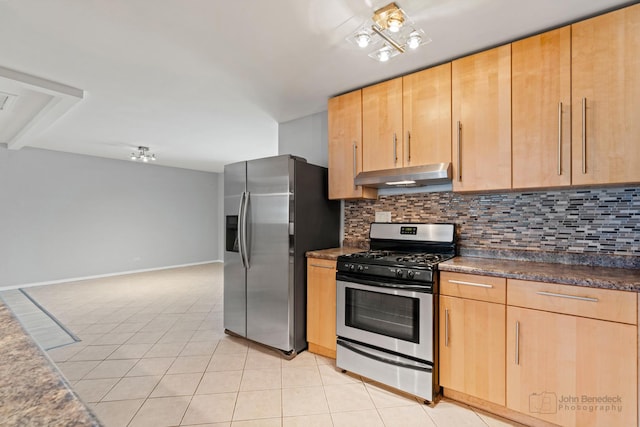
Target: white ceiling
column 206, row 82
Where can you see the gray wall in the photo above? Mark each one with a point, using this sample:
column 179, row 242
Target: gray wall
column 66, row 216
column 305, row 137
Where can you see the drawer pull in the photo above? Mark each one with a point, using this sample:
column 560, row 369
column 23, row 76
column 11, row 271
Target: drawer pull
column 560, row 138
column 517, row 343
column 322, row 266
column 355, row 164
column 584, row 135
column 395, row 149
column 446, row 327
column 551, row 294
column 459, row 162
column 477, row 285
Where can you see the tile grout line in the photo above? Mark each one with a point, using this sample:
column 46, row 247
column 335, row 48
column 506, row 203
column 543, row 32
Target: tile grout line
column 235, row 403
column 197, row 386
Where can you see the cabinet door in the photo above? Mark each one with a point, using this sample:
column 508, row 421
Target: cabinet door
column 345, row 147
column 541, row 110
column 559, row 365
column 321, row 306
column 605, row 68
column 472, row 348
column 382, row 125
column 426, row 105
column 481, row 105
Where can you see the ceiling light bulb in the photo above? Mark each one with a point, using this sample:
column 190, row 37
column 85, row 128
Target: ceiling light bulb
column 384, row 55
column 363, row 39
column 414, row 40
column 394, row 23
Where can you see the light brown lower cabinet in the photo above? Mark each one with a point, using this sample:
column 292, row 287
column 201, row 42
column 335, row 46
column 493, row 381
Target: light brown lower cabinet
column 472, row 348
column 471, row 329
column 321, row 306
column 569, row 356
column 567, row 369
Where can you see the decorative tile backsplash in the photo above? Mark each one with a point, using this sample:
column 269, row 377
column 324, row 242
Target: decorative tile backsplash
column 604, row 221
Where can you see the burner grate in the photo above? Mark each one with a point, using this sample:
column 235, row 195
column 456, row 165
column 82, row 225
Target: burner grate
column 421, row 258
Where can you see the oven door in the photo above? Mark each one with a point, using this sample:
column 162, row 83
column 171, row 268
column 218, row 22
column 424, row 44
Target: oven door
column 391, row 316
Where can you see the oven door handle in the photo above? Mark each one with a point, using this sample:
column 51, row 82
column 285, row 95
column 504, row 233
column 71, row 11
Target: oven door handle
column 377, row 355
column 427, row 288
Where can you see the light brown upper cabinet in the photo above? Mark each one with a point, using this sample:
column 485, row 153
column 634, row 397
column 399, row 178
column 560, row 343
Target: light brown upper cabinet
column 345, row 147
column 426, row 106
column 605, row 65
column 541, row 110
column 382, row 125
column 481, row 105
column 407, row 121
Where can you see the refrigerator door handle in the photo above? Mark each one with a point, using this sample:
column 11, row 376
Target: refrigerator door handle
column 247, row 263
column 240, row 230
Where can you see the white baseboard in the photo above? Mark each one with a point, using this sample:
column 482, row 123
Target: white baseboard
column 99, row 276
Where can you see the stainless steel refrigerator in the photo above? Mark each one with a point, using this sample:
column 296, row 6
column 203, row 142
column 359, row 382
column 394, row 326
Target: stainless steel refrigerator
column 275, row 210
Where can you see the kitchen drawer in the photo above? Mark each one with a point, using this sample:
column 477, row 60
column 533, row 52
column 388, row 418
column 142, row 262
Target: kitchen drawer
column 473, row 286
column 604, row 304
column 322, row 263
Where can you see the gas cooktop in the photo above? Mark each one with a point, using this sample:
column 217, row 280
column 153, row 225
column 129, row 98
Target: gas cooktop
column 397, row 258
column 402, row 251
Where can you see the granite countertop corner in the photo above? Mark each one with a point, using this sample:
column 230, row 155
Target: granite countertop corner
column 32, row 390
column 332, row 253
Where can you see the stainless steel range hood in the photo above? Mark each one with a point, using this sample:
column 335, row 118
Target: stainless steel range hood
column 414, row 176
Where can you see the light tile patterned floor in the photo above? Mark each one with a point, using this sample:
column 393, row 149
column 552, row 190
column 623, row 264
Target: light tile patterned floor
column 153, row 353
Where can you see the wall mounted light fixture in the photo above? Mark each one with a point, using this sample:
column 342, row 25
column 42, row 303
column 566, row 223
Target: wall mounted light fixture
column 388, row 33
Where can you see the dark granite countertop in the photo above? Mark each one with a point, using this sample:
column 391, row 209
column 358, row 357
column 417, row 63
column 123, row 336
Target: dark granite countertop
column 32, row 391
column 624, row 279
column 333, row 253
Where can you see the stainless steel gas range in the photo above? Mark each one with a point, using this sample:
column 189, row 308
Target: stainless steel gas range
column 387, row 305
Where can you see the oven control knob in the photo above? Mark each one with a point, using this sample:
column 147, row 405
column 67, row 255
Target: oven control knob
column 399, row 273
column 410, row 274
column 360, row 268
column 352, row 267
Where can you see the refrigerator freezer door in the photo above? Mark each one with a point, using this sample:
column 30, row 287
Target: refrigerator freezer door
column 269, row 277
column 235, row 291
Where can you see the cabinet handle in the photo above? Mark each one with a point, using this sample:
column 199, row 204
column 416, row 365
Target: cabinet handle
column 355, row 164
column 446, row 327
column 551, row 294
column 395, row 149
column 409, row 146
column 584, row 135
column 517, row 343
column 478, row 285
column 459, row 143
column 322, row 266
column 560, row 138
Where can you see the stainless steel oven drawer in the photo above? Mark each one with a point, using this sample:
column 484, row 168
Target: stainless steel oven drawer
column 384, row 311
column 404, row 374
